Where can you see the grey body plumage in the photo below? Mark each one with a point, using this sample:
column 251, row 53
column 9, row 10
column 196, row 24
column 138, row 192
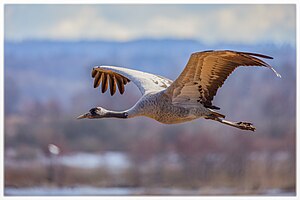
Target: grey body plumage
column 158, row 106
column 187, row 98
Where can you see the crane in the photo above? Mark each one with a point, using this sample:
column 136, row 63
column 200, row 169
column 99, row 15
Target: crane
column 187, row 98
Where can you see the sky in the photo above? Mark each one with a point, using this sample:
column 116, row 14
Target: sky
column 247, row 24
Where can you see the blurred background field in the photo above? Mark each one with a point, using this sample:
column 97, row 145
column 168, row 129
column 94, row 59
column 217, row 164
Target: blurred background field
column 48, row 84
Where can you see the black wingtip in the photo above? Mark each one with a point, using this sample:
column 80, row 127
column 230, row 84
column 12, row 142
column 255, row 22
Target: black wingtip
column 258, row 55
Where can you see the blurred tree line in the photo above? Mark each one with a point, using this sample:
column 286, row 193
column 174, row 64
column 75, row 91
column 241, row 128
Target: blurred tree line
column 195, row 154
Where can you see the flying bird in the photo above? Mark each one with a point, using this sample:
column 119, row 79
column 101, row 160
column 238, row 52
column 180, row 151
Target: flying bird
column 187, row 98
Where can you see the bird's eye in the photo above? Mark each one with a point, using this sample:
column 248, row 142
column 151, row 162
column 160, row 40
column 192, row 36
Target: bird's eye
column 93, row 110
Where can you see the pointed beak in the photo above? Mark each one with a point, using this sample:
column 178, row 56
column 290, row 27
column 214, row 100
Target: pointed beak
column 83, row 116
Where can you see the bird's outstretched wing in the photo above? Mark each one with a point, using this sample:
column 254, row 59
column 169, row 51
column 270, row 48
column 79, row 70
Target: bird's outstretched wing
column 206, row 72
column 112, row 76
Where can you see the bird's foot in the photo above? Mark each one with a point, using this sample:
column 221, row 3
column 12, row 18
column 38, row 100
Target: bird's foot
column 246, row 126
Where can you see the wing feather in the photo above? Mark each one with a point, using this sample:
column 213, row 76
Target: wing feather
column 119, row 81
column 104, row 82
column 112, row 84
column 97, row 79
column 206, row 72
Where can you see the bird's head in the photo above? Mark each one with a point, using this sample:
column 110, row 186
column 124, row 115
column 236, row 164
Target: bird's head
column 94, row 113
column 98, row 112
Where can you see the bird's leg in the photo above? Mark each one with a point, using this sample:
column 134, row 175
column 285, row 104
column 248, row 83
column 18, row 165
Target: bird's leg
column 241, row 125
